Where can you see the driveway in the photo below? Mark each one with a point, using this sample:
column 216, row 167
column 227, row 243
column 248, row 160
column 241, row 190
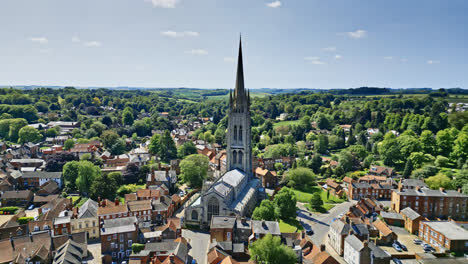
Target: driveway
column 199, row 242
column 320, row 223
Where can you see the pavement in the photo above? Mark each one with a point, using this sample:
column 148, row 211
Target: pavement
column 199, row 242
column 94, row 250
column 320, row 223
column 405, row 238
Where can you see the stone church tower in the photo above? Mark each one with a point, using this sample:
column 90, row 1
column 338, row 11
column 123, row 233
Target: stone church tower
column 239, row 146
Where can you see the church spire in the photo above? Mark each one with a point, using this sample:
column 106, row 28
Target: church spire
column 239, row 91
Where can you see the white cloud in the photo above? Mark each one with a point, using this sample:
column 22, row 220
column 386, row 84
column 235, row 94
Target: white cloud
column 388, row 58
column 274, row 4
column 197, row 52
column 338, row 56
column 75, row 39
column 175, row 34
column 229, row 59
column 360, row 33
column 163, row 3
column 314, row 60
column 92, row 44
column 403, row 60
column 433, row 62
column 40, row 40
column 329, row 49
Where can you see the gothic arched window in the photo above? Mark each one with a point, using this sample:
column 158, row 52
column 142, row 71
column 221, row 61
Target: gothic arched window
column 234, row 157
column 240, row 133
column 241, row 154
column 235, row 133
column 213, row 207
column 194, row 215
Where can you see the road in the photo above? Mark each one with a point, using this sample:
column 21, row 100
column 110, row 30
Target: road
column 199, row 241
column 320, row 223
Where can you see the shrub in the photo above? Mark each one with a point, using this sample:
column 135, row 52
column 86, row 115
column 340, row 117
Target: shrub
column 10, row 209
column 25, row 220
column 136, row 248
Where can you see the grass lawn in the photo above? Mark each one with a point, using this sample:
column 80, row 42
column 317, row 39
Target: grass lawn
column 74, row 198
column 305, row 196
column 290, row 227
column 325, row 208
column 285, row 123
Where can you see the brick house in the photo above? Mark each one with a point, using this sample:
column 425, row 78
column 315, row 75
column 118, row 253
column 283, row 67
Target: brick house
column 62, row 224
column 268, row 178
column 412, row 219
column 444, row 235
column 17, row 198
column 171, row 230
column 163, row 208
column 386, row 235
column 381, row 171
column 140, row 209
column 35, row 179
column 261, row 228
column 117, row 237
column 393, row 218
column 222, row 228
column 111, row 210
column 431, row 203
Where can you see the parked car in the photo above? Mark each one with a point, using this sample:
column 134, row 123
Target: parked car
column 397, row 261
column 308, row 230
column 31, row 207
column 417, row 241
column 401, row 245
column 396, row 247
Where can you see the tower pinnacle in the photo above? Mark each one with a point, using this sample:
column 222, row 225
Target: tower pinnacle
column 239, row 92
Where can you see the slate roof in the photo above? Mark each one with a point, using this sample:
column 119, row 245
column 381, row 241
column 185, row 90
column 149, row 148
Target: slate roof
column 431, row 193
column 340, row 227
column 88, row 209
column 391, row 215
column 413, row 183
column 265, row 227
column 223, row 222
column 377, row 251
column 354, row 242
column 70, row 253
column 233, row 177
column 448, row 229
column 25, row 194
column 119, row 225
column 42, row 175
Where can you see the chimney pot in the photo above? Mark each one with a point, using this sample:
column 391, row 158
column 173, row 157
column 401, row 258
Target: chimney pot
column 116, row 201
column 322, row 247
column 442, row 189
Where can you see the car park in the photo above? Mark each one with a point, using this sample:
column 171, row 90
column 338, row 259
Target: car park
column 401, row 245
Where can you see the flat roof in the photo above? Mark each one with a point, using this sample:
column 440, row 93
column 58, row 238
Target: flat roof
column 448, row 229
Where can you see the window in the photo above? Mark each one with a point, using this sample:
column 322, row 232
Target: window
column 112, row 245
column 234, row 157
column 121, row 247
column 129, row 243
column 213, row 207
column 241, row 154
column 46, row 227
column 128, row 252
column 38, row 262
column 36, row 228
column 194, row 215
column 114, row 254
column 108, row 238
column 80, row 226
column 64, row 230
column 94, row 224
column 240, row 133
column 235, row 133
column 228, row 236
column 121, row 237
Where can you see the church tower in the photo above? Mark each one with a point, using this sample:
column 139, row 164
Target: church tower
column 239, row 148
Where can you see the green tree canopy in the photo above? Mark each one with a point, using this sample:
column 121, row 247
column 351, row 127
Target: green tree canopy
column 29, row 134
column 186, row 149
column 270, row 250
column 87, row 172
column 193, row 169
column 285, row 204
column 300, row 178
column 167, row 149
column 266, row 211
column 69, row 144
column 439, row 180
column 316, row 201
column 105, row 186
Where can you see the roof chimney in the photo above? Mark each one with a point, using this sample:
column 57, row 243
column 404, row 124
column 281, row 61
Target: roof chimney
column 459, row 190
column 322, row 247
column 116, row 201
column 442, row 189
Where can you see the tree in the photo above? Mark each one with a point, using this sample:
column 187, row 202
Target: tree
column 442, row 161
column 29, row 134
column 118, row 147
column 321, row 144
column 389, row 149
column 428, row 142
column 131, row 173
column 70, row 174
column 408, row 169
column 408, row 144
column 285, row 204
column 418, row 159
column 127, row 116
column 69, row 144
column 460, row 147
column 109, row 138
column 270, row 250
column 87, row 172
column 155, row 144
column 188, row 148
column 266, row 211
column 316, row 163
column 104, row 186
column 346, row 160
column 444, row 139
column 193, row 169
column 316, row 201
column 439, row 180
column 168, row 149
column 55, row 162
column 301, row 178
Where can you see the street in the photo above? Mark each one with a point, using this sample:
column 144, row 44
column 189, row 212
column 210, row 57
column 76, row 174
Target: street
column 199, row 242
column 320, row 223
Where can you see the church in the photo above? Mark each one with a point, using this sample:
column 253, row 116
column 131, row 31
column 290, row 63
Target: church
column 236, row 192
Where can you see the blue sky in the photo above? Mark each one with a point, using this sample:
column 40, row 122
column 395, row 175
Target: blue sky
column 193, row 43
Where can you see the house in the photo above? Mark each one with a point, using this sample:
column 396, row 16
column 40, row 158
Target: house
column 86, row 219
column 35, row 179
column 339, row 229
column 363, row 252
column 48, row 188
column 261, row 227
column 140, row 209
column 166, row 177
column 117, row 237
column 40, row 200
column 444, row 236
column 371, row 179
column 392, row 218
column 268, row 178
column 222, row 228
column 17, row 198
column 171, row 230
column 163, row 208
column 412, row 219
column 111, row 210
column 166, row 252
column 333, row 187
column 411, row 184
column 347, row 181
column 386, row 235
column 346, row 128
column 381, row 171
column 35, row 248
column 216, row 255
column 62, row 223
column 312, row 254
column 27, row 163
column 71, row 253
column 431, row 203
column 85, row 148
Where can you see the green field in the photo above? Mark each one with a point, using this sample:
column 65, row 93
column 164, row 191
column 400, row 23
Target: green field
column 286, row 123
column 293, row 226
column 306, row 196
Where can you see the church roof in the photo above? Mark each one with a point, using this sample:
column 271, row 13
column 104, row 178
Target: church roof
column 233, row 177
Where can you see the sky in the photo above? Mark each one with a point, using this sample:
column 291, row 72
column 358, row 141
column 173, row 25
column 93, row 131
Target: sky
column 193, row 43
